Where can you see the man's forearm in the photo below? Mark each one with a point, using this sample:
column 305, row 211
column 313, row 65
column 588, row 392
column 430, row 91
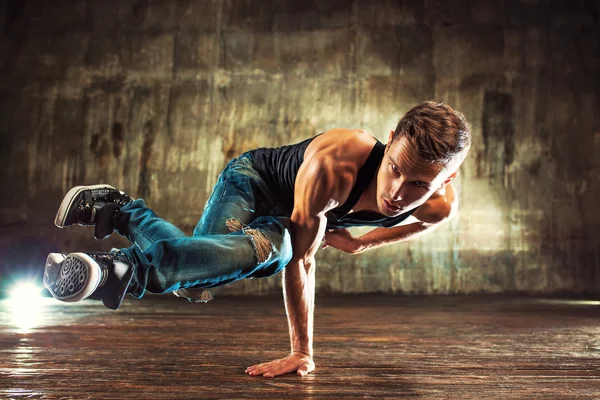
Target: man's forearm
column 299, row 296
column 382, row 236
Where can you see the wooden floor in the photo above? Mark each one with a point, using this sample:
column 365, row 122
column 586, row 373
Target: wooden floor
column 366, row 347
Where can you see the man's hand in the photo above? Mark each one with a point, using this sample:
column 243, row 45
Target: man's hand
column 342, row 240
column 299, row 362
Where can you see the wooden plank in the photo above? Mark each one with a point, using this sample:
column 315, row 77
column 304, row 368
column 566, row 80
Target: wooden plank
column 366, row 347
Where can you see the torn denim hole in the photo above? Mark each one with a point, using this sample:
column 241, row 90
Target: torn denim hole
column 197, row 295
column 261, row 244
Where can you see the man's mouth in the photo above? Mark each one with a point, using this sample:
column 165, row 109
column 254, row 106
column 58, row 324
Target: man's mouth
column 390, row 207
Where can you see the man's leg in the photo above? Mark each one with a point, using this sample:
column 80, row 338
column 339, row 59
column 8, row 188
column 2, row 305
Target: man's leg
column 142, row 227
column 211, row 260
column 164, row 260
column 105, row 276
column 231, row 197
column 232, row 241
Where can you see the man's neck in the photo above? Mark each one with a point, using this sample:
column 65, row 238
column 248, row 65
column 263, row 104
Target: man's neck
column 368, row 199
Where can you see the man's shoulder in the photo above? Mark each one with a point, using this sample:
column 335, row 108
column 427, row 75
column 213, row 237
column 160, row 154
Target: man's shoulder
column 339, row 146
column 331, row 165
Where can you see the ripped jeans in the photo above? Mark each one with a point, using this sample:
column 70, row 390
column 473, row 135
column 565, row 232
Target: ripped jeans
column 238, row 236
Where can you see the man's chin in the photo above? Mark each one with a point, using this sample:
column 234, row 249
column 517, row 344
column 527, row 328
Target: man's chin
column 394, row 213
column 390, row 212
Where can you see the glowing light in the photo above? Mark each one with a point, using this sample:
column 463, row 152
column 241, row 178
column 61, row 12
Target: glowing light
column 26, row 303
column 571, row 302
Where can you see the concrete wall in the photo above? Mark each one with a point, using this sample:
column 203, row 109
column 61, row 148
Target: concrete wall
column 155, row 97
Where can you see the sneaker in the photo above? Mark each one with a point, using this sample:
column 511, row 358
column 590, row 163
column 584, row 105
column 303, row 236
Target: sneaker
column 78, row 276
column 91, row 205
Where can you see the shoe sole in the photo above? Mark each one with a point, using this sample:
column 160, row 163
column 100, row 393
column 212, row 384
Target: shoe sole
column 77, row 278
column 68, row 200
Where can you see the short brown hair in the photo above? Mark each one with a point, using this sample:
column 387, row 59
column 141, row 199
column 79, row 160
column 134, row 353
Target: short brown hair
column 439, row 133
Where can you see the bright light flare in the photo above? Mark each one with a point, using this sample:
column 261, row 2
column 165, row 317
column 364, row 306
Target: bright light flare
column 26, row 303
column 571, row 302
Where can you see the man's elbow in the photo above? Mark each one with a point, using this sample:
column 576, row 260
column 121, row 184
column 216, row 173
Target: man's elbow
column 306, row 263
column 447, row 213
column 451, row 215
column 309, row 263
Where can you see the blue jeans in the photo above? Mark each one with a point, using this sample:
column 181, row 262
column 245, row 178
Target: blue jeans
column 239, row 235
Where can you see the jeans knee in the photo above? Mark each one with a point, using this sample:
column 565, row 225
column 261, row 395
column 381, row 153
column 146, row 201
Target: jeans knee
column 271, row 238
column 263, row 248
column 282, row 257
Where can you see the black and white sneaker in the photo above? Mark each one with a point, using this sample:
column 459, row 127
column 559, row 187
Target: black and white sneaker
column 78, row 276
column 91, row 205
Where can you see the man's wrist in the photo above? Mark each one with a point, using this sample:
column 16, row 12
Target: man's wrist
column 359, row 246
column 302, row 353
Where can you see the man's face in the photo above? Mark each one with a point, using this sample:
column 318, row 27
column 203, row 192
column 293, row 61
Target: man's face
column 405, row 180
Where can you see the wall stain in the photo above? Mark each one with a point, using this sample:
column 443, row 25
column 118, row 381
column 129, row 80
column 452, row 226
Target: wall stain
column 100, row 147
column 230, row 152
column 95, row 143
column 498, row 130
column 108, row 84
column 140, row 9
column 535, row 168
column 117, row 139
column 147, row 149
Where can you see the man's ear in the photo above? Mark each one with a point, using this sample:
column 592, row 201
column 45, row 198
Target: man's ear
column 448, row 180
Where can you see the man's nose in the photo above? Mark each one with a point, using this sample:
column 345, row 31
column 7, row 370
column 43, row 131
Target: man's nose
column 398, row 193
column 397, row 198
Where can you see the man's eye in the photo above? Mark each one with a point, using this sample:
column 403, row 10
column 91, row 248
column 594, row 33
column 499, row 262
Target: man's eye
column 394, row 168
column 421, row 184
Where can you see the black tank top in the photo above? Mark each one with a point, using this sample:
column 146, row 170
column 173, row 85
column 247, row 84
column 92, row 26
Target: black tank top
column 279, row 166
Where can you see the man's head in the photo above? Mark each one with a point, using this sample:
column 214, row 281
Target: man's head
column 422, row 156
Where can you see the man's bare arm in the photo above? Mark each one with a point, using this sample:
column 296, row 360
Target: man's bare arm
column 379, row 237
column 430, row 215
column 315, row 188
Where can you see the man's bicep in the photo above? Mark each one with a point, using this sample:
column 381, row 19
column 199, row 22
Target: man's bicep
column 307, row 235
column 313, row 197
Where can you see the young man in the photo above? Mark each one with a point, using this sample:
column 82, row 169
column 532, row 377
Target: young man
column 269, row 211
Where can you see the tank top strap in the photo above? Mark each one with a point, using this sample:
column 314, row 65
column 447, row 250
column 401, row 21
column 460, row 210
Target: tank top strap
column 365, row 174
